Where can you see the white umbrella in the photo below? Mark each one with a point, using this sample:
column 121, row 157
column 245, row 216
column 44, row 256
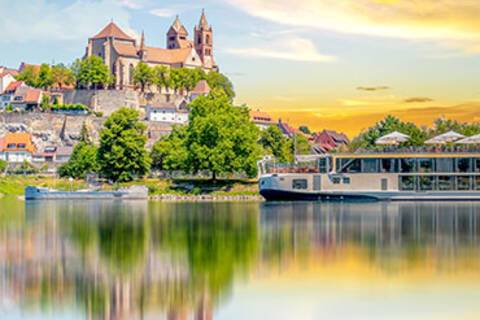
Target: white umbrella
column 470, row 140
column 392, row 138
column 450, row 136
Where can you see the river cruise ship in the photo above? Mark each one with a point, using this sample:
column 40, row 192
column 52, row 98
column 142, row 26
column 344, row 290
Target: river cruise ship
column 395, row 176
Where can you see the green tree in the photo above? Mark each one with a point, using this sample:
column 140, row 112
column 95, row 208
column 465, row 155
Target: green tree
column 93, row 73
column 45, row 103
column 220, row 137
column 62, row 76
column 143, row 76
column 170, row 152
column 161, row 77
column 275, row 143
column 217, row 80
column 389, row 124
column 122, row 155
column 299, row 145
column 29, row 75
column 3, row 166
column 9, row 108
column 82, row 161
column 192, row 77
column 45, row 77
column 177, row 79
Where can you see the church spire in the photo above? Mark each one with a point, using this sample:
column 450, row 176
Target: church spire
column 142, row 41
column 203, row 21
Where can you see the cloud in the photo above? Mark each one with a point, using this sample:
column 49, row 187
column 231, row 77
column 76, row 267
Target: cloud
column 291, row 48
column 449, row 22
column 418, row 100
column 45, row 21
column 133, row 4
column 163, row 12
column 376, row 88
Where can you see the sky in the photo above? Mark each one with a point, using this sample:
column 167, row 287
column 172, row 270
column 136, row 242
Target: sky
column 328, row 64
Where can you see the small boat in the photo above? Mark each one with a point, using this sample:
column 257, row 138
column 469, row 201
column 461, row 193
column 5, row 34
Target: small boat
column 130, row 193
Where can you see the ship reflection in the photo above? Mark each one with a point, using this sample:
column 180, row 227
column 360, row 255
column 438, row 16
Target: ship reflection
column 134, row 260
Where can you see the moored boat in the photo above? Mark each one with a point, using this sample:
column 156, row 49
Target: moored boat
column 130, row 193
column 396, row 176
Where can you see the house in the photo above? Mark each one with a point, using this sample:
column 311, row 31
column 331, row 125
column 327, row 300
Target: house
column 287, row 130
column 17, row 147
column 261, row 119
column 53, row 154
column 201, row 89
column 5, row 79
column 167, row 112
column 328, row 140
column 7, row 96
column 26, row 98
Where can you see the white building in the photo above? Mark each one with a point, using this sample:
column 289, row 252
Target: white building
column 167, row 112
column 17, row 147
column 5, row 79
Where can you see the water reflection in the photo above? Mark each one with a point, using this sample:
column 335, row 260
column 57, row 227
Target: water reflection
column 135, row 260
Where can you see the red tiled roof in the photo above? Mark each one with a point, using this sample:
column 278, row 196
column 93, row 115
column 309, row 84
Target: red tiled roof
column 112, row 30
column 14, row 86
column 154, row 55
column 33, row 95
column 201, row 87
column 18, row 139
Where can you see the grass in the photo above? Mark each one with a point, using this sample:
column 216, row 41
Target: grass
column 15, row 185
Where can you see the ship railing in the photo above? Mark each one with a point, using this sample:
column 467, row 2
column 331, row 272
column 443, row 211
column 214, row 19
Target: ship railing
column 423, row 149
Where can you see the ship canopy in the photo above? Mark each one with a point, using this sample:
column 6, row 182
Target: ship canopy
column 393, row 138
column 448, row 137
column 470, row 140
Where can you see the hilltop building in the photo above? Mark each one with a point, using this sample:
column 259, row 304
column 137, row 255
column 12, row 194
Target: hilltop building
column 328, row 140
column 17, row 147
column 261, row 119
column 121, row 53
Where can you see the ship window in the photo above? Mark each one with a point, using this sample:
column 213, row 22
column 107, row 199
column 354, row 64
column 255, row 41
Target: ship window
column 407, row 183
column 463, row 165
column 388, row 165
column 407, row 165
column 425, row 183
column 446, row 183
column 350, row 165
column 425, row 165
column 299, row 184
column 477, row 182
column 476, row 165
column 463, row 183
column 444, row 165
column 322, row 165
column 369, row 165
column 336, row 180
column 346, row 180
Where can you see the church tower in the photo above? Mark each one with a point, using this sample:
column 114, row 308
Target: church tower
column 177, row 35
column 204, row 41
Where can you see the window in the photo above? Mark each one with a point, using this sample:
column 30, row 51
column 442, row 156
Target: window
column 299, row 184
column 463, row 183
column 444, row 165
column 388, row 165
column 476, row 165
column 477, row 182
column 199, row 40
column 171, row 38
column 346, row 180
column 426, row 183
column 336, row 180
column 369, row 165
column 407, row 165
column 350, row 165
column 21, row 146
column 207, row 39
column 463, row 165
column 425, row 165
column 446, row 183
column 407, row 183
column 322, row 165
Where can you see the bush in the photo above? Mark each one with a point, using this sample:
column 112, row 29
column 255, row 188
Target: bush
column 3, row 166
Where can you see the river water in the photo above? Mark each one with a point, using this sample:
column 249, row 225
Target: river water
column 153, row 260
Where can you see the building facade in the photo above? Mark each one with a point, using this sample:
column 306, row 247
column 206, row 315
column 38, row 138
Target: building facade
column 121, row 53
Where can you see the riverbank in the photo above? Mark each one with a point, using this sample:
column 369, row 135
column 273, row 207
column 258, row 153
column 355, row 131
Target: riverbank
column 158, row 189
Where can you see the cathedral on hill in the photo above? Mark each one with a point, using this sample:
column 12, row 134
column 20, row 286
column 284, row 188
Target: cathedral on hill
column 121, row 53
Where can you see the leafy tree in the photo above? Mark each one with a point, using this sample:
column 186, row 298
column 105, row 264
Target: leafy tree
column 62, row 76
column 161, row 77
column 85, row 134
column 122, row 155
column 217, row 80
column 45, row 103
column 220, row 137
column 275, row 143
column 177, row 79
column 305, row 129
column 192, row 76
column 300, row 145
column 143, row 75
column 82, row 161
column 92, row 73
column 45, row 77
column 170, row 152
column 367, row 138
column 3, row 166
column 29, row 75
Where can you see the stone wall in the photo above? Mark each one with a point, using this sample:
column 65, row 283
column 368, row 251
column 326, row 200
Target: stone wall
column 105, row 101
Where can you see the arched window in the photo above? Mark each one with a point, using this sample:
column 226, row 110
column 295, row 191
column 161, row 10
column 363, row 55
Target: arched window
column 199, row 39
column 208, row 39
column 130, row 74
